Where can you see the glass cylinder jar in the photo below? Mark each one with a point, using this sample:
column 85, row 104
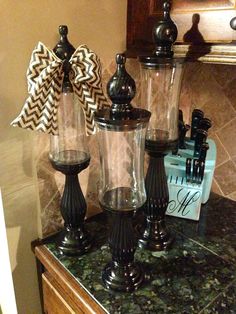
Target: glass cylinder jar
column 122, row 177
column 160, row 91
column 121, row 140
column 69, row 146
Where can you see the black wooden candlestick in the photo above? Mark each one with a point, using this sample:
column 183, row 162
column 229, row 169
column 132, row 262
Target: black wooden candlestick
column 162, row 133
column 122, row 273
column 122, row 193
column 74, row 239
column 70, row 157
column 156, row 236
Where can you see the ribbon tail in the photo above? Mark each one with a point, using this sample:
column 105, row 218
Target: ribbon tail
column 40, row 59
column 44, row 77
column 91, row 99
column 39, row 112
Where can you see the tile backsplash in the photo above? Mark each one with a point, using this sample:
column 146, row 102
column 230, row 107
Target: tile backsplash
column 209, row 87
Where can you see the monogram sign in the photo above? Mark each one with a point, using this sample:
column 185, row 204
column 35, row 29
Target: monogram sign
column 184, row 202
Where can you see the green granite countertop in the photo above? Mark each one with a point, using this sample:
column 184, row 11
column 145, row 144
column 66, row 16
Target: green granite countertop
column 198, row 275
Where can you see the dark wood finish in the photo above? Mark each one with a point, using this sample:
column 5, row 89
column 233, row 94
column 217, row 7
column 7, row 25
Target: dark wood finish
column 198, row 22
column 74, row 240
column 139, row 25
column 56, row 301
column 193, row 5
column 60, row 287
column 218, row 54
column 122, row 273
column 40, row 271
column 156, row 236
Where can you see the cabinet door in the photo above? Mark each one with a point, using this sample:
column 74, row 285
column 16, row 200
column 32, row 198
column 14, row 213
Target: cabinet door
column 198, row 21
column 56, row 300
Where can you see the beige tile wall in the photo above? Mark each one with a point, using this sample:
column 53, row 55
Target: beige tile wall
column 205, row 86
column 212, row 89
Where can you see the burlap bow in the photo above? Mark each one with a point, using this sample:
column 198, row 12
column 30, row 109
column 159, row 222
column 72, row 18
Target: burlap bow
column 45, row 77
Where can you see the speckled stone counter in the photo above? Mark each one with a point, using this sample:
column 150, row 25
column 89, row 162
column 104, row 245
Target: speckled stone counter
column 198, row 275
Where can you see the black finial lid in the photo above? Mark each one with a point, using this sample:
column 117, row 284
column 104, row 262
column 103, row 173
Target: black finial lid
column 63, row 48
column 121, row 116
column 121, row 88
column 64, row 51
column 165, row 33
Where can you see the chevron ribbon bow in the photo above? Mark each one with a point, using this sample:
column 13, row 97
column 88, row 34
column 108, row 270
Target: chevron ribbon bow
column 45, row 77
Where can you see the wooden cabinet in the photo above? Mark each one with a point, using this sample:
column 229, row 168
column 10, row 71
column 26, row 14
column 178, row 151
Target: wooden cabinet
column 55, row 299
column 60, row 292
column 198, row 22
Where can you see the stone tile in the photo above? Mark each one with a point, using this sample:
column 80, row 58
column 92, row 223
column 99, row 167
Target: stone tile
column 193, row 71
column 196, row 84
column 52, row 220
column 59, row 180
column 225, row 175
column 185, row 104
column 230, row 92
column 234, row 159
column 221, row 155
column 215, row 187
column 184, row 279
column 47, row 187
column 219, row 110
column 227, row 137
column 224, row 303
column 232, row 196
column 93, row 207
column 223, row 74
column 215, row 229
column 207, row 94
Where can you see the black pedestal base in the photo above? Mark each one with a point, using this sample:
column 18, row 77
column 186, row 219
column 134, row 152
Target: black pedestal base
column 74, row 242
column 122, row 273
column 122, row 278
column 155, row 237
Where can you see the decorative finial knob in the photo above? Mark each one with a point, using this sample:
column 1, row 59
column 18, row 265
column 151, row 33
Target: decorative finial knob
column 120, row 58
column 63, row 30
column 63, row 48
column 64, row 51
column 165, row 33
column 233, row 23
column 121, row 87
column 166, row 9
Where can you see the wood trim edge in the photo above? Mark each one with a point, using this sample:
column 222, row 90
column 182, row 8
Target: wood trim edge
column 208, row 53
column 218, row 54
column 64, row 278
